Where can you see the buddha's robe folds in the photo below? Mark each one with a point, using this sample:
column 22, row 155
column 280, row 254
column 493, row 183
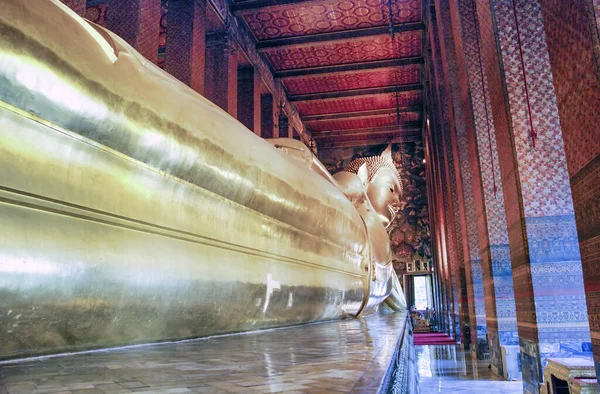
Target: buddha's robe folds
column 133, row 210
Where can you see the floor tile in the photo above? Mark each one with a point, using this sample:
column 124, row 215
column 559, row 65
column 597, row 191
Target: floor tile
column 449, row 369
column 331, row 357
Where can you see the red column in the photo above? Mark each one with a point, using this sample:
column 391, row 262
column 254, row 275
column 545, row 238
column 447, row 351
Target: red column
column 245, row 96
column 138, row 23
column 258, row 88
column 221, row 83
column 186, row 42
column 232, row 83
column 266, row 115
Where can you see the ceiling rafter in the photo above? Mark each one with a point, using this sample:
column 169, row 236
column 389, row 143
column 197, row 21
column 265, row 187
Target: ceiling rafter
column 355, row 92
column 404, row 128
column 359, row 114
column 251, row 5
column 369, row 141
column 298, row 72
column 337, row 35
column 312, row 80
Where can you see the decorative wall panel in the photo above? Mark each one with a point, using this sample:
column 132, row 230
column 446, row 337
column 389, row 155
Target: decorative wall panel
column 543, row 195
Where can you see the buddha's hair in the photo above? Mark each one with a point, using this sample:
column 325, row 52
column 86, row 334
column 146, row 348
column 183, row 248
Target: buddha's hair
column 374, row 164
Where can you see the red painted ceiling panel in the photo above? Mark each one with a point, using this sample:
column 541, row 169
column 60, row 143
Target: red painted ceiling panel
column 361, row 123
column 377, row 136
column 406, row 44
column 382, row 77
column 327, row 16
column 360, row 103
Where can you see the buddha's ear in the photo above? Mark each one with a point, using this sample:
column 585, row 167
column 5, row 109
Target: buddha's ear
column 363, row 173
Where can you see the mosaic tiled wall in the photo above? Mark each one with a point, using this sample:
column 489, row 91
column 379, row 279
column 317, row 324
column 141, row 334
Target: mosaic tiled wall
column 457, row 157
column 586, row 192
column 543, row 195
column 453, row 308
column 543, row 173
column 557, row 282
column 495, row 216
column 576, row 81
column 571, row 31
column 441, row 130
column 505, row 302
column 538, row 194
column 456, row 313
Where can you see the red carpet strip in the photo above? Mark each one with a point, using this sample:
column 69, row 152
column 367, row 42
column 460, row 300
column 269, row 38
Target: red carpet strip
column 433, row 338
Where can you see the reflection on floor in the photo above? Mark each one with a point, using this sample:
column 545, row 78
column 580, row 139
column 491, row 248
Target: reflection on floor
column 339, row 356
column 449, row 369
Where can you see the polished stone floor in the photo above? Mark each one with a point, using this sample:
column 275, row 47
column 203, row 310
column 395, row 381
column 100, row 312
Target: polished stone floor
column 332, row 357
column 449, row 369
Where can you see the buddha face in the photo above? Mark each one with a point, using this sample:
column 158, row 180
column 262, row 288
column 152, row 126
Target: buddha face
column 384, row 194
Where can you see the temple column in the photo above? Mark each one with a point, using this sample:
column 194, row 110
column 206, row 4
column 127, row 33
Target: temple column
column 78, row 6
column 437, row 199
column 232, row 84
column 571, row 36
column 258, row 89
column 546, row 266
column 186, row 42
column 245, row 92
column 267, row 105
column 283, row 125
column 459, row 120
column 447, row 310
column 491, row 218
column 472, row 312
column 138, row 23
column 447, row 238
column 492, row 276
column 221, row 76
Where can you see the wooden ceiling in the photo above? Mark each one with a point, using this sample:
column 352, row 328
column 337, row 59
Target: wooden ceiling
column 340, row 66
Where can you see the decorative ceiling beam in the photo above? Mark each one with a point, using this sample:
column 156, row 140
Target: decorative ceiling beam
column 404, row 128
column 337, row 35
column 370, row 141
column 355, row 92
column 256, row 4
column 358, row 114
column 348, row 67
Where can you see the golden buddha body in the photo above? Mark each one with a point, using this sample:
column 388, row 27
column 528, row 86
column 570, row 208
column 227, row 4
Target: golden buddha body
column 134, row 210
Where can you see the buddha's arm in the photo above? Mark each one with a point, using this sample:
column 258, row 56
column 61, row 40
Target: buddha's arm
column 298, row 151
column 396, row 300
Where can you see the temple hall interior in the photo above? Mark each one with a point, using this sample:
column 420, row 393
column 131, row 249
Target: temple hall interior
column 299, row 196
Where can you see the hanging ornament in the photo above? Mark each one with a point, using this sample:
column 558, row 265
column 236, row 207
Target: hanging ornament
column 532, row 132
column 487, row 118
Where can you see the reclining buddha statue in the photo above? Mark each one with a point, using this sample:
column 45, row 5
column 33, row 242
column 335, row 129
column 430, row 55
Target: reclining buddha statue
column 133, row 210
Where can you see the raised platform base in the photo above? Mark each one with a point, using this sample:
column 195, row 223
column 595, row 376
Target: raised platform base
column 360, row 356
column 575, row 375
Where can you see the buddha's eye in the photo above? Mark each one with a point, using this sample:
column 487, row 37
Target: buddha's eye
column 392, row 189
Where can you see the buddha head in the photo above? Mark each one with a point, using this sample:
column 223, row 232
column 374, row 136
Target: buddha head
column 382, row 182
